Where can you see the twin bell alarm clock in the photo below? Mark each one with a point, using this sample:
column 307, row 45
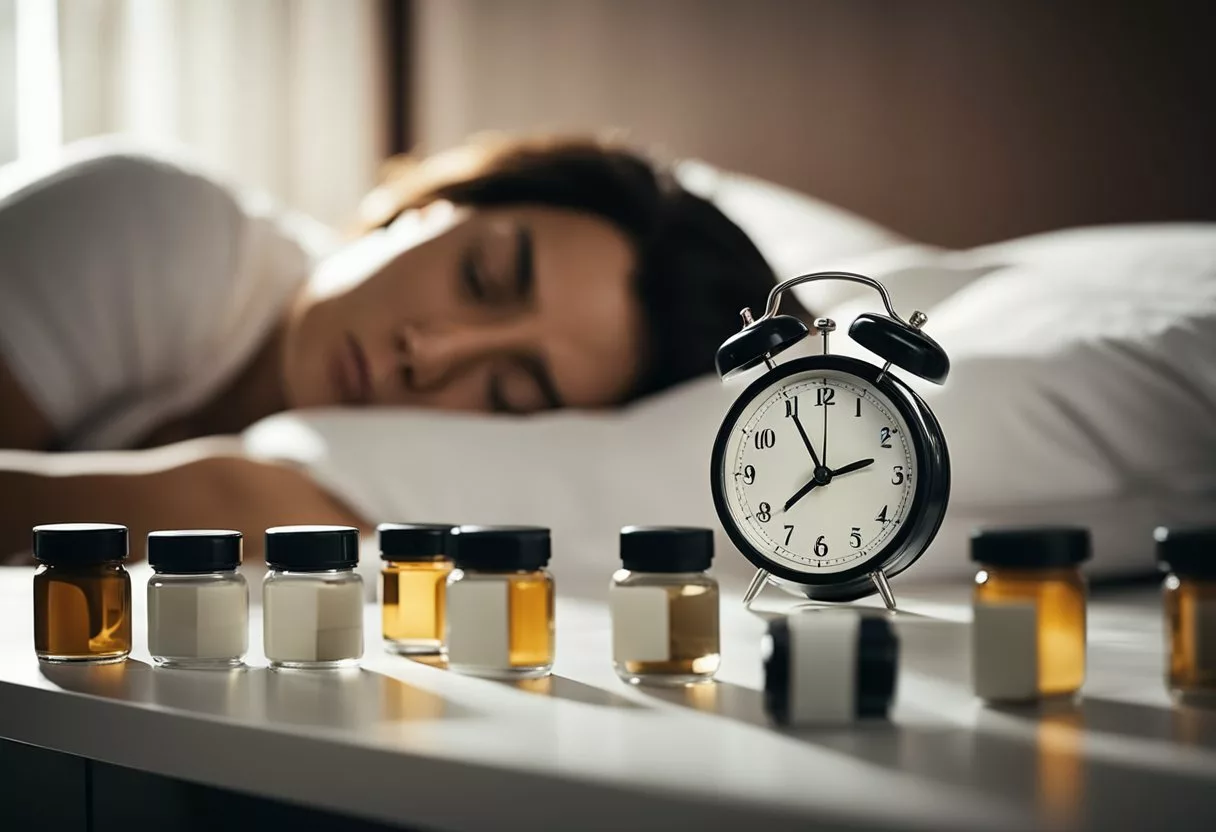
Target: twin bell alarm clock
column 830, row 474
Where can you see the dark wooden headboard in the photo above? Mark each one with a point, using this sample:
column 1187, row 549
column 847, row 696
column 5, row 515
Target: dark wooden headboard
column 954, row 121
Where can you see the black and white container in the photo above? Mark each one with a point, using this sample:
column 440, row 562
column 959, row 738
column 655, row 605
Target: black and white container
column 829, row 668
column 198, row 603
column 312, row 598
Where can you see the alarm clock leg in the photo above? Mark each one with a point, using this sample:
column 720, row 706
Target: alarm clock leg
column 753, row 589
column 884, row 588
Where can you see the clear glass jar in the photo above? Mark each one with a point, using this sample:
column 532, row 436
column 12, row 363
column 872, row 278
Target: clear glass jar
column 664, row 608
column 413, row 586
column 82, row 593
column 1189, row 596
column 198, row 604
column 687, row 649
column 1029, row 627
column 198, row 621
column 312, row 598
column 500, row 603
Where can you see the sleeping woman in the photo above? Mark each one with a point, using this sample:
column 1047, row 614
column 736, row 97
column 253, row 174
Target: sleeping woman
column 145, row 307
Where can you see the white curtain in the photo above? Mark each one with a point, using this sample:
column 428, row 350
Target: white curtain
column 8, row 80
column 283, row 95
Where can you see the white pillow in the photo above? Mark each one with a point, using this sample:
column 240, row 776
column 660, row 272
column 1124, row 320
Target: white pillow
column 1083, row 390
column 1083, row 385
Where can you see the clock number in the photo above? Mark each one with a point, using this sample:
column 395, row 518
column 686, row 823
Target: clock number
column 882, row 516
column 855, row 537
column 791, row 407
column 749, row 474
column 884, row 437
column 897, row 475
column 821, row 548
column 764, row 513
column 857, row 412
column 765, row 439
column 824, row 397
column 789, row 532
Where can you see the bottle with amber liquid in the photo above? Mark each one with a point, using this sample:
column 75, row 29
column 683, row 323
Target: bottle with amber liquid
column 82, row 593
column 1028, row 632
column 664, row 607
column 1188, row 555
column 500, row 602
column 413, row 585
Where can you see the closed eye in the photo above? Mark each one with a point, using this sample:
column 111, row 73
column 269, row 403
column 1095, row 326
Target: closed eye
column 471, row 278
column 524, row 386
column 506, row 281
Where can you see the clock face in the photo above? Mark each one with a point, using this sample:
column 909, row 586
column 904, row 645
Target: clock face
column 819, row 472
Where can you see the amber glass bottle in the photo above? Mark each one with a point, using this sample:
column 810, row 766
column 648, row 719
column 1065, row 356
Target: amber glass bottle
column 1028, row 635
column 413, row 584
column 664, row 607
column 500, row 602
column 1189, row 556
column 82, row 593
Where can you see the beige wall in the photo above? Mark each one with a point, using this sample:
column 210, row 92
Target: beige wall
column 956, row 121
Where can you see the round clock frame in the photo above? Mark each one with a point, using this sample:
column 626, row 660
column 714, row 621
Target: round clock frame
column 929, row 499
column 898, row 342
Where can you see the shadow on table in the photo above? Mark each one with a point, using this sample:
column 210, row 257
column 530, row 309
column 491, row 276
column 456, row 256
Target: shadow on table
column 1046, row 758
column 1191, row 723
column 349, row 698
column 562, row 687
column 718, row 698
column 353, row 698
column 553, row 686
column 129, row 680
column 1029, row 770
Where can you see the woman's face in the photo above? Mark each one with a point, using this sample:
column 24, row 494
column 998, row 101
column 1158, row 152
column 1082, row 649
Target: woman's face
column 511, row 309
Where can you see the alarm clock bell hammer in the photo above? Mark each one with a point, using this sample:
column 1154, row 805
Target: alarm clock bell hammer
column 900, row 343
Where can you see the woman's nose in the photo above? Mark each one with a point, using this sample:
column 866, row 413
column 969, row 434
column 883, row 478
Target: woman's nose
column 431, row 355
column 424, row 356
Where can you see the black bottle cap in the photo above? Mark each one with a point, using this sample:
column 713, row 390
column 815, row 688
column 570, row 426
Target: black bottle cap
column 413, row 541
column 877, row 667
column 1037, row 547
column 312, row 548
column 80, row 544
column 666, row 548
column 1189, row 551
column 194, row 551
column 500, row 548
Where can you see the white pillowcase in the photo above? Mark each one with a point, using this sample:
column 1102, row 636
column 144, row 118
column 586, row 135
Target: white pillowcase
column 1083, row 390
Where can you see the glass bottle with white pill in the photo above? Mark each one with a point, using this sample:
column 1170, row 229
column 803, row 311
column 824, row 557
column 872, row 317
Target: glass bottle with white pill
column 198, row 603
column 664, row 607
column 312, row 598
column 500, row 609
column 1028, row 629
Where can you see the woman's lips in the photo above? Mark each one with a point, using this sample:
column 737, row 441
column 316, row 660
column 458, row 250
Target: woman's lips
column 353, row 372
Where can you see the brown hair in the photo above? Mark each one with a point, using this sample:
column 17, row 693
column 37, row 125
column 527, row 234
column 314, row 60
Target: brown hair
column 696, row 269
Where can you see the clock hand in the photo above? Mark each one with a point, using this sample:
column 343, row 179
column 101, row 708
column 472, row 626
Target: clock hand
column 852, row 466
column 821, row 479
column 825, row 434
column 806, row 441
column 802, row 492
